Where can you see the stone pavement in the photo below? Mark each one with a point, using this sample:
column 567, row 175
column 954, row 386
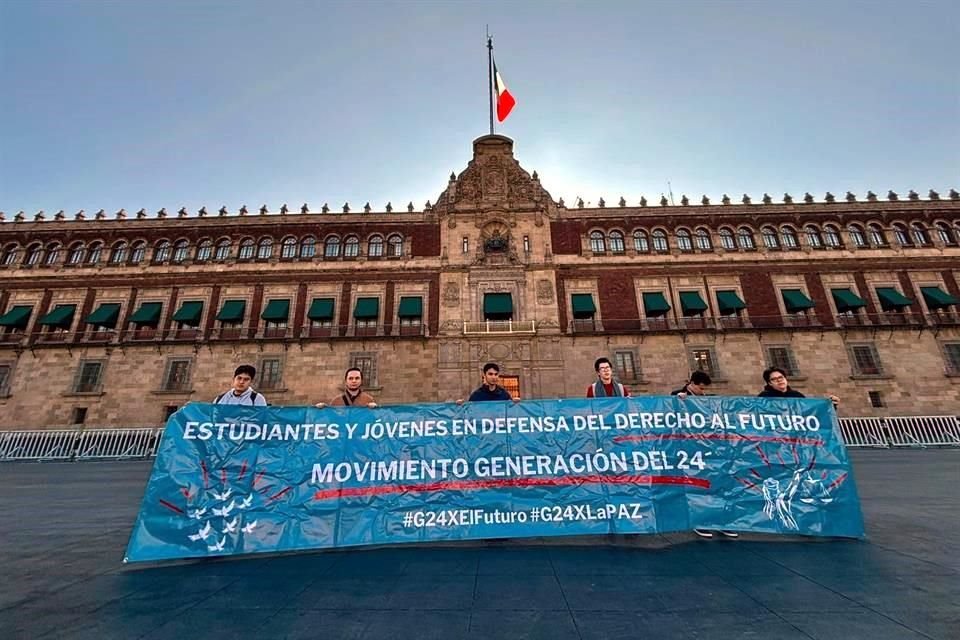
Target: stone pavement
column 64, row 528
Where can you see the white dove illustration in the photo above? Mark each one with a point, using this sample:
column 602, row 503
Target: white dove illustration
column 219, row 546
column 226, row 510
column 250, row 527
column 245, row 504
column 198, row 513
column 231, row 527
column 202, row 534
column 223, row 496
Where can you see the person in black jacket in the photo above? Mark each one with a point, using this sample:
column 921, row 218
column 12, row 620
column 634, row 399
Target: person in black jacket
column 490, row 389
column 777, row 386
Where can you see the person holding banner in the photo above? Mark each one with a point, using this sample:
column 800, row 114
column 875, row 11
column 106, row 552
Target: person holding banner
column 605, row 387
column 490, row 390
column 695, row 386
column 777, row 386
column 242, row 392
column 353, row 394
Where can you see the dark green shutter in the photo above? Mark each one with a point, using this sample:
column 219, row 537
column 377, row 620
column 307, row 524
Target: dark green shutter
column 232, row 311
column 583, row 307
column 367, row 309
column 321, row 309
column 61, row 317
column 728, row 302
column 891, row 299
column 189, row 313
column 847, row 300
column 937, row 298
column 17, row 317
column 148, row 315
column 410, row 307
column 106, row 315
column 796, row 301
column 276, row 311
column 655, row 305
column 691, row 304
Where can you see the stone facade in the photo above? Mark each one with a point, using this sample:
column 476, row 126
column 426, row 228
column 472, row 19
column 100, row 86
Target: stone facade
column 493, row 233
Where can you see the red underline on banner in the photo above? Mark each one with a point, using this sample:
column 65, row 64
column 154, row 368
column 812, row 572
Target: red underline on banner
column 731, row 437
column 468, row 485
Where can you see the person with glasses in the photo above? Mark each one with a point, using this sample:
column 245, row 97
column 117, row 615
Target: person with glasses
column 605, row 386
column 777, row 386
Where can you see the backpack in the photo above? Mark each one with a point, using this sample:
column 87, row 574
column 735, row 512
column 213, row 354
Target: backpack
column 253, row 397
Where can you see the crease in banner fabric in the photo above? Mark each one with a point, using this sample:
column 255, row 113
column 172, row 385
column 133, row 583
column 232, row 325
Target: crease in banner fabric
column 230, row 479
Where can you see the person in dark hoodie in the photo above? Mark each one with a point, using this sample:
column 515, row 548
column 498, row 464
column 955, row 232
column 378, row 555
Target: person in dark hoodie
column 777, row 386
column 490, row 389
column 696, row 386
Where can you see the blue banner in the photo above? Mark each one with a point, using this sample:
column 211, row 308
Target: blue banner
column 230, row 479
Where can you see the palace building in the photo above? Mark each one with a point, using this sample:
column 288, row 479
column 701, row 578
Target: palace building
column 118, row 320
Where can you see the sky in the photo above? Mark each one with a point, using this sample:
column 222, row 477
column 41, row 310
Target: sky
column 110, row 105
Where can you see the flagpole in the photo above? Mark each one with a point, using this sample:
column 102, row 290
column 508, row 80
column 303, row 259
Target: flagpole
column 490, row 77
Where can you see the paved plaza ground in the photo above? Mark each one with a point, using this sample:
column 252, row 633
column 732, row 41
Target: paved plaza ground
column 64, row 527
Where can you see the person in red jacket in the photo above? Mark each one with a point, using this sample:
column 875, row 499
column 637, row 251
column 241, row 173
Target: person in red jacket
column 605, row 386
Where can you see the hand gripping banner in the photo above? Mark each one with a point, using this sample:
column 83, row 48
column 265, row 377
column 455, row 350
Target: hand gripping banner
column 234, row 480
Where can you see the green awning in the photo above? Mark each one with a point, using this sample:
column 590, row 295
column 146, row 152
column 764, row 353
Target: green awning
column 583, row 306
column 410, row 308
column 796, row 301
column 497, row 304
column 189, row 314
column 691, row 304
column 17, row 317
column 729, row 302
column 655, row 305
column 891, row 299
column 232, row 311
column 937, row 298
column 367, row 309
column 106, row 315
column 321, row 309
column 61, row 316
column 276, row 311
column 148, row 315
column 847, row 300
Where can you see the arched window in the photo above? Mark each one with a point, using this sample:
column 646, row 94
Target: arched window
column 856, row 235
column 616, row 242
column 660, row 241
column 53, row 254
column 308, row 247
column 813, row 236
column 223, row 250
column 93, row 254
column 920, row 235
column 788, row 236
column 265, row 248
column 288, row 248
column 351, row 247
column 726, row 239
column 76, row 253
column 204, row 250
column 684, row 242
column 831, row 237
column 745, row 237
column 375, row 247
column 903, row 238
column 161, row 252
column 395, row 246
column 946, row 234
column 138, row 252
column 877, row 237
column 9, row 255
column 598, row 243
column 331, row 248
column 118, row 253
column 641, row 241
column 34, row 252
column 703, row 239
column 246, row 249
column 179, row 251
column 770, row 240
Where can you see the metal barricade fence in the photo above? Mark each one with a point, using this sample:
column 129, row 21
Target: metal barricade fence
column 92, row 444
column 118, row 443
column 37, row 445
column 863, row 432
column 924, row 431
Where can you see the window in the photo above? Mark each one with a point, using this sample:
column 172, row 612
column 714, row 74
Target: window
column 597, row 242
column 946, row 234
column 308, row 247
column 288, row 248
column 180, row 248
column 703, row 239
column 5, row 372
column 782, row 356
column 726, row 239
column 88, row 376
column 684, row 242
column 788, row 236
column 138, row 252
column 813, row 237
column 177, row 375
column 877, row 237
column 375, row 247
column 511, row 385
column 526, row 243
column 33, row 255
column 704, row 359
column 367, row 363
column 168, row 411
column 876, row 399
column 53, row 254
column 864, row 360
column 204, row 250
column 9, row 255
column 331, row 248
column 118, row 253
column 831, row 237
column 79, row 415
column 641, row 242
column 465, row 245
column 625, row 366
column 269, row 373
column 395, row 246
column 660, row 241
column 769, row 235
column 745, row 236
column 93, row 255
column 351, row 248
column 222, row 251
column 246, row 249
column 951, row 357
column 616, row 242
column 903, row 238
column 161, row 252
column 265, row 249
column 920, row 234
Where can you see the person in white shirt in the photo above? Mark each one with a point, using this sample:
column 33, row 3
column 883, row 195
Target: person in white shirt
column 242, row 392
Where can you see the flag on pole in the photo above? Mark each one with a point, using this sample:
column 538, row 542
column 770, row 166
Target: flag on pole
column 505, row 101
